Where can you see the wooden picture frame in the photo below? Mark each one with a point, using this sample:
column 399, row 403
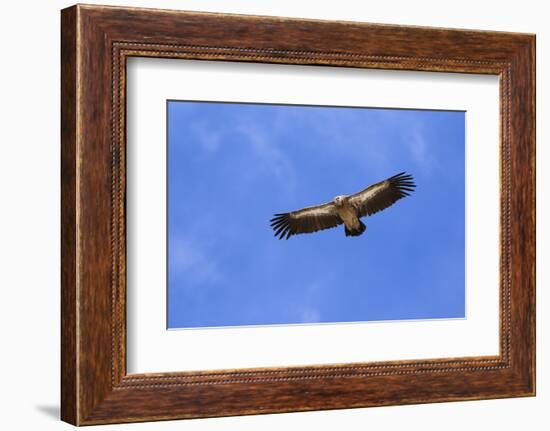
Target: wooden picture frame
column 95, row 43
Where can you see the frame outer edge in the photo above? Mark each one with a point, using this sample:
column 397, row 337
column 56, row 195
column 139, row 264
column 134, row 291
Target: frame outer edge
column 531, row 79
column 533, row 54
column 523, row 179
column 530, row 62
column 69, row 330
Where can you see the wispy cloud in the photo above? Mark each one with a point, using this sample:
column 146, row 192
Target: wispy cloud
column 419, row 149
column 310, row 311
column 191, row 259
column 268, row 153
column 310, row 315
column 347, row 135
column 265, row 147
column 210, row 138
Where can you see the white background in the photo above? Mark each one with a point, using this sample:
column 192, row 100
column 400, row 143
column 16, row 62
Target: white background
column 151, row 348
column 29, row 220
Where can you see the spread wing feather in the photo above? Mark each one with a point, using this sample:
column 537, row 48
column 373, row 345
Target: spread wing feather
column 381, row 195
column 305, row 220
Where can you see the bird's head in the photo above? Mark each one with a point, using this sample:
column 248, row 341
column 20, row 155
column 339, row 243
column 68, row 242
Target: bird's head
column 339, row 201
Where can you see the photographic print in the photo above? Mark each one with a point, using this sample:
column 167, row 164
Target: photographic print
column 301, row 214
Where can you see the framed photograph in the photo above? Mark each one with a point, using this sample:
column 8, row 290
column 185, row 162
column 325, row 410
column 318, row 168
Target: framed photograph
column 264, row 214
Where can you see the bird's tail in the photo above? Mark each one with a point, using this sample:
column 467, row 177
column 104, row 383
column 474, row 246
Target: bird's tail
column 357, row 231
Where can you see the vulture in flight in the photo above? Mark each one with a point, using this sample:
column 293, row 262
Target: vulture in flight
column 344, row 209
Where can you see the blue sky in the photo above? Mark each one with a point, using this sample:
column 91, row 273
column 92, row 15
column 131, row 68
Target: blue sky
column 232, row 166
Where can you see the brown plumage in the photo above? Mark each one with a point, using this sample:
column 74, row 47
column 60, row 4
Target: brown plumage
column 344, row 209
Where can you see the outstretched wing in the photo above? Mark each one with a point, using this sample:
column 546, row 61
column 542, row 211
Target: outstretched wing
column 305, row 220
column 381, row 195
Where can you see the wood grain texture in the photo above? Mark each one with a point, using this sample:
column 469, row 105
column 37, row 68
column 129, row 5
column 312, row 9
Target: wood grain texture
column 96, row 41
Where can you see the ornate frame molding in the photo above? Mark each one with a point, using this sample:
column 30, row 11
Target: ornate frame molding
column 96, row 41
